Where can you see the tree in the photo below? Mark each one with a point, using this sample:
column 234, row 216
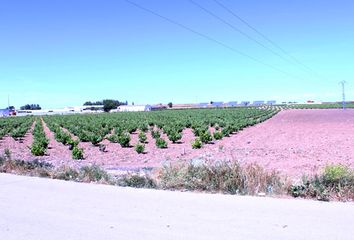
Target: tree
column 170, row 104
column 109, row 104
column 89, row 103
column 31, row 107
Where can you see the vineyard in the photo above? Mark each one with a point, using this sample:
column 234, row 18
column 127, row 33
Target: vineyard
column 321, row 106
column 130, row 132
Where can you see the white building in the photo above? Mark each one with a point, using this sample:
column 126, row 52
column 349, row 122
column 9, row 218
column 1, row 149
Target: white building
column 134, row 108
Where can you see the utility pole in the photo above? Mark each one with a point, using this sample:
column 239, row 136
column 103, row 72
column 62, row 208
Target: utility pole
column 343, row 92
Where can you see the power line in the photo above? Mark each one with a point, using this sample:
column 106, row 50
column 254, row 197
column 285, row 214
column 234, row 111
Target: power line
column 238, row 30
column 294, row 60
column 209, row 38
column 343, row 93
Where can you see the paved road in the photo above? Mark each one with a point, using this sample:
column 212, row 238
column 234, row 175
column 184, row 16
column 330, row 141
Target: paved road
column 36, row 209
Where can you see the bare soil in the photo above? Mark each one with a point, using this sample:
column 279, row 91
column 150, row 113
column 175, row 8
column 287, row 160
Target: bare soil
column 294, row 142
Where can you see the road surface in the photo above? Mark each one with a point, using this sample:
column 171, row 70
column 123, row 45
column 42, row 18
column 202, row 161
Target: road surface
column 36, row 209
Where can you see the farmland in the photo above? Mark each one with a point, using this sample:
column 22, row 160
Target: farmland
column 105, row 136
column 290, row 141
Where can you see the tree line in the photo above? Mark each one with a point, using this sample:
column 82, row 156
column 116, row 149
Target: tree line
column 108, row 104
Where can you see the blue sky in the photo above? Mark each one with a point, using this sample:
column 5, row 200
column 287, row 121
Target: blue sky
column 64, row 52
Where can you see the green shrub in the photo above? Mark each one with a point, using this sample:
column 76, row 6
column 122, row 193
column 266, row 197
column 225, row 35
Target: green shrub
column 218, row 135
column 62, row 136
column 142, row 137
column 37, row 149
column 95, row 139
column 197, row 144
column 139, row 148
column 124, row 139
column 155, row 134
column 72, row 144
column 161, row 143
column 144, row 127
column 337, row 174
column 113, row 138
column 174, row 136
column 336, row 181
column 2, row 133
column 77, row 153
column 206, row 137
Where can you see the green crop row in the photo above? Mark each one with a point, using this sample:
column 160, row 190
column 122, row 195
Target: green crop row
column 66, row 139
column 15, row 127
column 117, row 127
column 40, row 141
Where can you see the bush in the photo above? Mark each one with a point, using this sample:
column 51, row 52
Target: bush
column 113, row 138
column 31, row 168
column 62, row 136
column 174, row 136
column 136, row 181
column 161, row 143
column 218, row 135
column 139, row 148
column 93, row 174
column 155, row 134
column 95, row 139
column 77, row 153
column 142, row 137
column 72, row 144
column 336, row 181
column 66, row 173
column 206, row 137
column 124, row 139
column 223, row 177
column 338, row 174
column 37, row 149
column 197, row 144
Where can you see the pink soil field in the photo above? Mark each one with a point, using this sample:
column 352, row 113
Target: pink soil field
column 294, row 142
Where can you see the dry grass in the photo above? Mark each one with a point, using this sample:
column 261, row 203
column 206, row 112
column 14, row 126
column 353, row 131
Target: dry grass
column 226, row 178
column 335, row 182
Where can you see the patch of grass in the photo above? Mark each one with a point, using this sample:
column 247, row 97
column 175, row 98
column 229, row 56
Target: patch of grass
column 94, row 174
column 223, row 177
column 335, row 182
column 29, row 168
column 66, row 173
column 136, row 181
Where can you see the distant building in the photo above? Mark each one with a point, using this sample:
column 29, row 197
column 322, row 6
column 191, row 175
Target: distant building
column 203, row 105
column 245, row 103
column 231, row 104
column 217, row 104
column 258, row 103
column 9, row 111
column 134, row 108
column 4, row 112
column 271, row 102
